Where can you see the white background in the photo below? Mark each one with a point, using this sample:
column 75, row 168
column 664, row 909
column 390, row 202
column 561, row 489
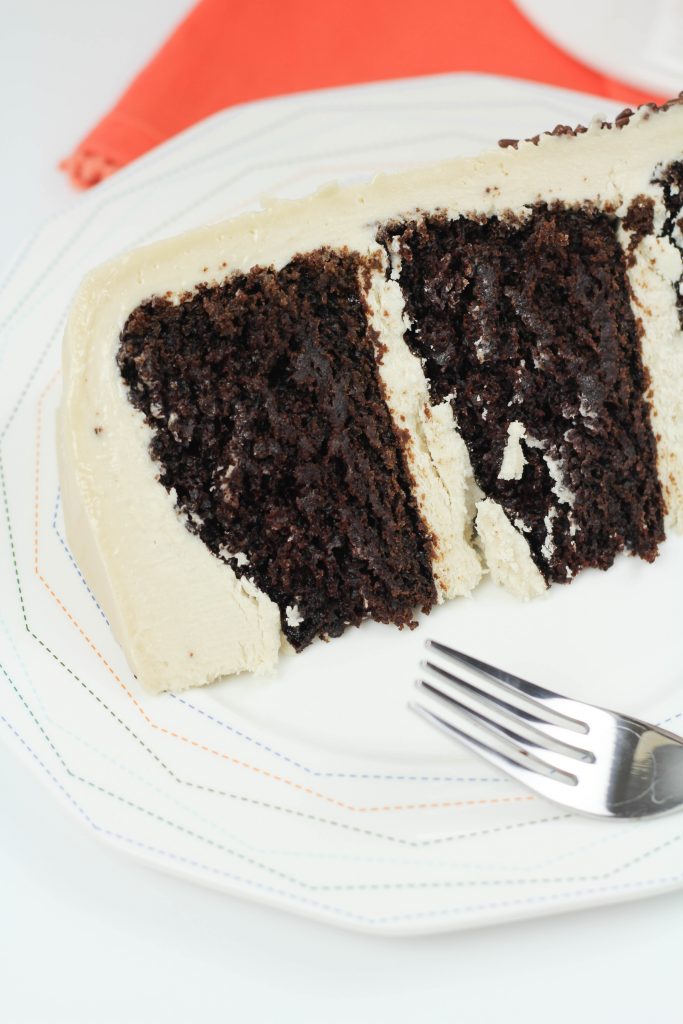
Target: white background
column 86, row 935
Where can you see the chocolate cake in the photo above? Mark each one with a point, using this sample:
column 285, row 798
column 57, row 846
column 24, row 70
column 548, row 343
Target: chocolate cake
column 354, row 405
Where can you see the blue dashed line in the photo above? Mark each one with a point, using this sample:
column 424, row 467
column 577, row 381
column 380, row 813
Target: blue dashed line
column 376, row 776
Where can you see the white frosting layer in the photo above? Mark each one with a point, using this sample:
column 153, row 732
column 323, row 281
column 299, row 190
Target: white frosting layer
column 514, row 460
column 436, row 455
column 654, row 278
column 181, row 614
column 507, row 552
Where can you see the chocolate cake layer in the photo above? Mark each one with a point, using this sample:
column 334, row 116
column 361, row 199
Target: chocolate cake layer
column 526, row 327
column 271, row 428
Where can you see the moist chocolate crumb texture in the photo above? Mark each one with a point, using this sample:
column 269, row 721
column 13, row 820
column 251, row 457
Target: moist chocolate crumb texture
column 355, row 405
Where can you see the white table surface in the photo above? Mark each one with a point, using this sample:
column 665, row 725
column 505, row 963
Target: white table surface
column 86, row 935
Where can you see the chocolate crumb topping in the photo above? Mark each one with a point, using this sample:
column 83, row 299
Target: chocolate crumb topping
column 620, row 121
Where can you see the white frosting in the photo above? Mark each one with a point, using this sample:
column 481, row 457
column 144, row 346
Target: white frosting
column 548, row 546
column 560, row 489
column 507, row 552
column 657, row 268
column 180, row 613
column 514, row 461
column 293, row 616
column 436, row 455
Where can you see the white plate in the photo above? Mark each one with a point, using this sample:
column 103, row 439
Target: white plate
column 314, row 790
column 625, row 39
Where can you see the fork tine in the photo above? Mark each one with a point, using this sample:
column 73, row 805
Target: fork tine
column 515, row 745
column 552, row 788
column 538, row 697
column 534, row 730
column 543, row 719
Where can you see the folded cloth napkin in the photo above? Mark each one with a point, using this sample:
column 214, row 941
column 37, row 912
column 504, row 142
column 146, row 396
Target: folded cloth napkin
column 231, row 51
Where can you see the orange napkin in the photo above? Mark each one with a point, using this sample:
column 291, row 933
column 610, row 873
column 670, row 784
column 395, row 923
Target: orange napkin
column 230, row 51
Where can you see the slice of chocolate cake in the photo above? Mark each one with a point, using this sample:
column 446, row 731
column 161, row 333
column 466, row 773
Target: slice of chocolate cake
column 353, row 405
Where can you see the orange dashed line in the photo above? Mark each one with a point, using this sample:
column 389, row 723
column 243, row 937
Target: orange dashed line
column 185, row 739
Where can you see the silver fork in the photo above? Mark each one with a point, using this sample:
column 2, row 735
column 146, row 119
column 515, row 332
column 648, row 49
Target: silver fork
column 582, row 756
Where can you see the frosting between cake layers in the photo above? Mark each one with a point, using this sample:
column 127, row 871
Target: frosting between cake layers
column 653, row 277
column 436, row 455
